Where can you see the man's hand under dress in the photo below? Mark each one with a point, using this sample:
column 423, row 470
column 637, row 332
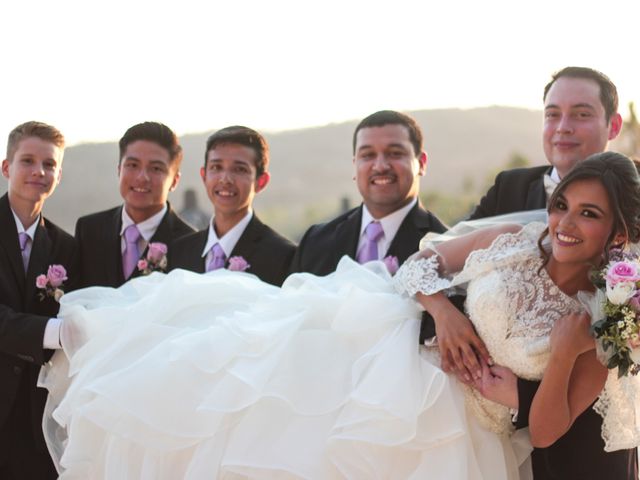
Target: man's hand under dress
column 498, row 384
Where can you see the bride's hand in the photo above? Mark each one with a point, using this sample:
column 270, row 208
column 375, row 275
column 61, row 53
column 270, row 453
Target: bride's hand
column 462, row 351
column 498, row 384
column 571, row 335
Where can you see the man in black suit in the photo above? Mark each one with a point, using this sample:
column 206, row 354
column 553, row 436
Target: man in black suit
column 389, row 160
column 235, row 169
column 580, row 117
column 111, row 242
column 29, row 245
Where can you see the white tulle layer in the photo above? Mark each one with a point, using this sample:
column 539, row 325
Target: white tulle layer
column 223, row 376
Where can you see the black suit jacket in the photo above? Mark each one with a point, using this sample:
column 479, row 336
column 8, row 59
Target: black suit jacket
column 99, row 248
column 513, row 191
column 323, row 245
column 23, row 317
column 267, row 252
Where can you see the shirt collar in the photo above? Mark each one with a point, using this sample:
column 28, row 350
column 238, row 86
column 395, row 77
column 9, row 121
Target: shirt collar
column 148, row 227
column 229, row 239
column 390, row 223
column 554, row 175
column 31, row 231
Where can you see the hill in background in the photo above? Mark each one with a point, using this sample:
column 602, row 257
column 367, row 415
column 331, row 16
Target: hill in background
column 312, row 168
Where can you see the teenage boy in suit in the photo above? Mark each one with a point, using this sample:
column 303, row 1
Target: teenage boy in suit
column 111, row 242
column 389, row 160
column 29, row 245
column 234, row 171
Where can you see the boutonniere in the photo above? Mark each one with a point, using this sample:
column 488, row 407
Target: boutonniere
column 155, row 260
column 237, row 264
column 391, row 262
column 51, row 284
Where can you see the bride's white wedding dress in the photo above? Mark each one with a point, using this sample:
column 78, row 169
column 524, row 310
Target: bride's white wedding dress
column 223, row 376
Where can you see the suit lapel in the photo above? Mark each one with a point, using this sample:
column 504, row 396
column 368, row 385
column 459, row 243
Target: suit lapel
column 9, row 241
column 536, row 197
column 164, row 231
column 347, row 235
column 41, row 252
column 415, row 225
column 194, row 260
column 248, row 241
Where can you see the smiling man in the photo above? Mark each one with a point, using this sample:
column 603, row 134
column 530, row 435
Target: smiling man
column 580, row 117
column 29, row 245
column 111, row 242
column 235, row 170
column 389, row 160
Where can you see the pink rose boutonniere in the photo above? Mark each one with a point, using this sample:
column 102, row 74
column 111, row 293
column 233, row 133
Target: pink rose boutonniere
column 391, row 263
column 155, row 260
column 237, row 264
column 51, row 284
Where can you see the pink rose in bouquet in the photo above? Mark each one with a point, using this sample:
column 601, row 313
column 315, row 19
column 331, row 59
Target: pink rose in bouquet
column 142, row 264
column 622, row 272
column 56, row 275
column 238, row 264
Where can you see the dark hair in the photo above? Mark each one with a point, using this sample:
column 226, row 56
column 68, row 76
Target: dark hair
column 40, row 130
column 608, row 91
column 619, row 177
column 153, row 132
column 242, row 136
column 389, row 117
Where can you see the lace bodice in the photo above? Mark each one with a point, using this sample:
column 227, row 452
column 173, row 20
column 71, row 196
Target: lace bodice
column 512, row 303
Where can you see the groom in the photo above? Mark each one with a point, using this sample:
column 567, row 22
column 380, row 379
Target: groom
column 389, row 160
column 111, row 242
column 580, row 117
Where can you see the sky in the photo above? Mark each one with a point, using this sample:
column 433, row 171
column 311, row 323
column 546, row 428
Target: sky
column 95, row 68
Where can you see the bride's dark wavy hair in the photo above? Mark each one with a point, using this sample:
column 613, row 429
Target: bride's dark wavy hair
column 619, row 177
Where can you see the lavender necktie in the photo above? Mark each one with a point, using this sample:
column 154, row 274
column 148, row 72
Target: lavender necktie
column 131, row 253
column 24, row 238
column 369, row 250
column 218, row 258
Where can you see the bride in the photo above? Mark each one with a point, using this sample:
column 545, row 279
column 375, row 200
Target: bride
column 223, row 376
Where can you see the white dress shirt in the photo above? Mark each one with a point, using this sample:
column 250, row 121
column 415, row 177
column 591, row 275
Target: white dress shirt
column 147, row 228
column 228, row 240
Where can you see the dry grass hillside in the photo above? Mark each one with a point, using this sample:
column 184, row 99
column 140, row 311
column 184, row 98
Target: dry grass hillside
column 312, row 171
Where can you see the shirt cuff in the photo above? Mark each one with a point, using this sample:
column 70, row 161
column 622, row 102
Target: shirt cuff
column 51, row 338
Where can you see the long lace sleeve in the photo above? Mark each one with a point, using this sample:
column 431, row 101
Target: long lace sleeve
column 454, row 262
column 420, row 274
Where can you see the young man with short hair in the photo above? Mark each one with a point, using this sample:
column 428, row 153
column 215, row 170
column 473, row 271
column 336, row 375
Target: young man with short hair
column 29, row 246
column 111, row 242
column 235, row 170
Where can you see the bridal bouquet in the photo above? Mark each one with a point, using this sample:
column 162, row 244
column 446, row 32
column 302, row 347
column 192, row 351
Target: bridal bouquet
column 617, row 328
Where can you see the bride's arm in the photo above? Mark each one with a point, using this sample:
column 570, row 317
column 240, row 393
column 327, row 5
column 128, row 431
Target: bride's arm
column 459, row 344
column 573, row 379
